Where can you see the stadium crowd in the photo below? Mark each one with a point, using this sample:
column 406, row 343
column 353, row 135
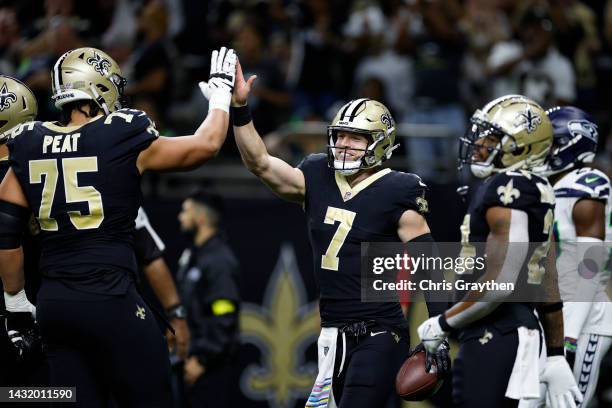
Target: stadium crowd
column 430, row 61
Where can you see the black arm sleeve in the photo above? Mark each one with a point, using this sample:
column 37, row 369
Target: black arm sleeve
column 437, row 302
column 147, row 250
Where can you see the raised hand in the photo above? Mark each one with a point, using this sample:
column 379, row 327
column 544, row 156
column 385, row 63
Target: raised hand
column 218, row 89
column 242, row 88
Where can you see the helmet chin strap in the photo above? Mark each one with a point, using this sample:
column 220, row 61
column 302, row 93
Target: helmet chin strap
column 486, row 168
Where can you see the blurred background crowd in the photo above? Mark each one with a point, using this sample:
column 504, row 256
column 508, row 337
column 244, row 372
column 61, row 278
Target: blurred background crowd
column 433, row 62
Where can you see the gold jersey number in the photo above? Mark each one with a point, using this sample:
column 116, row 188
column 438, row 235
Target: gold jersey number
column 330, row 259
column 74, row 193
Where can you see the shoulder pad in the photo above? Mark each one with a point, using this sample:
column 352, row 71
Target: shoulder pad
column 517, row 190
column 312, row 160
column 409, row 191
column 138, row 120
column 23, row 128
column 584, row 183
column 409, row 181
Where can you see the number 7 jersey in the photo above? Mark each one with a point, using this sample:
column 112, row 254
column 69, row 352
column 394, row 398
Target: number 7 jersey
column 83, row 186
column 339, row 219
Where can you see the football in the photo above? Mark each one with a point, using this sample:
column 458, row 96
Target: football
column 412, row 383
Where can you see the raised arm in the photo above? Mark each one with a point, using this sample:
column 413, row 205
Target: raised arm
column 283, row 179
column 188, row 152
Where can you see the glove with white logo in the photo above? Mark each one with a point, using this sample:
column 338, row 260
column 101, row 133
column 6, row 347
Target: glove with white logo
column 560, row 383
column 24, row 335
column 218, row 89
column 431, row 334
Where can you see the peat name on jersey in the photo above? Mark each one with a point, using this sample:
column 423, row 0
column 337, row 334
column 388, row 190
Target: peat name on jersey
column 61, row 143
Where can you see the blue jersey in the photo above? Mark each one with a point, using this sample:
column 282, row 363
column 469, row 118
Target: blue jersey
column 83, row 186
column 339, row 219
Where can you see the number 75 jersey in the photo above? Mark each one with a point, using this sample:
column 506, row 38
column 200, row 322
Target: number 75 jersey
column 83, row 186
column 339, row 219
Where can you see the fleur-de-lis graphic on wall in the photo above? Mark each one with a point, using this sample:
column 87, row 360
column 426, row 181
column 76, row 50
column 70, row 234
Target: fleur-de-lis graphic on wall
column 282, row 328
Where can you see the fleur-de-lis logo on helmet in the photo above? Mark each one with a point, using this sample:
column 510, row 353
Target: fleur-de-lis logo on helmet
column 387, row 120
column 529, row 119
column 100, row 64
column 6, row 97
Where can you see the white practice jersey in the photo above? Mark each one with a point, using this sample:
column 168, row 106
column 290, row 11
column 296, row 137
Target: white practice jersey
column 579, row 184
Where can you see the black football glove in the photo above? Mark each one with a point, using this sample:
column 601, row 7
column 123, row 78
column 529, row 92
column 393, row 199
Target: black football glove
column 441, row 357
column 23, row 333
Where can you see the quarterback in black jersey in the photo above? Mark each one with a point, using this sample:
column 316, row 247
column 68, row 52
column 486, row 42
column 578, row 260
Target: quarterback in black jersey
column 509, row 138
column 81, row 178
column 348, row 199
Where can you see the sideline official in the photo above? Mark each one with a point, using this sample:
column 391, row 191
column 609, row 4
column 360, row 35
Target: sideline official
column 207, row 277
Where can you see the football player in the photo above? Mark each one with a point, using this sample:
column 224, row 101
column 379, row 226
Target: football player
column 582, row 223
column 17, row 105
column 348, row 199
column 509, row 137
column 81, row 178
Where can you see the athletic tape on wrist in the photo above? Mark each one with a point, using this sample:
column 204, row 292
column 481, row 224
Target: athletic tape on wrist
column 220, row 99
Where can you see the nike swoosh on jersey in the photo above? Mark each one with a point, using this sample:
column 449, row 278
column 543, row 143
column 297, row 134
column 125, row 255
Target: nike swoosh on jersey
column 377, row 333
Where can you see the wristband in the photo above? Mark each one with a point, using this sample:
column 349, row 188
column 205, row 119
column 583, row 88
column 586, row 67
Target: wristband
column 570, row 345
column 241, row 115
column 18, row 303
column 444, row 324
column 550, row 308
column 555, row 351
column 176, row 312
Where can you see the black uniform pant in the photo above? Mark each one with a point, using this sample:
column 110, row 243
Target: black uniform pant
column 109, row 347
column 213, row 388
column 482, row 369
column 371, row 362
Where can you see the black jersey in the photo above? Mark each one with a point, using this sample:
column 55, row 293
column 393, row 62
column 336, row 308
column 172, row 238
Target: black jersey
column 526, row 192
column 4, row 166
column 339, row 219
column 83, row 185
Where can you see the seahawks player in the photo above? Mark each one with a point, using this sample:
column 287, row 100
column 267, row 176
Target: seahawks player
column 348, row 199
column 81, row 178
column 509, row 137
column 582, row 222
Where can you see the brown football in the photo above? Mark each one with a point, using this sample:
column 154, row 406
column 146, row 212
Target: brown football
column 412, row 383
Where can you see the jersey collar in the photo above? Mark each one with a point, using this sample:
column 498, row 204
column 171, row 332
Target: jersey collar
column 347, row 192
column 67, row 129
